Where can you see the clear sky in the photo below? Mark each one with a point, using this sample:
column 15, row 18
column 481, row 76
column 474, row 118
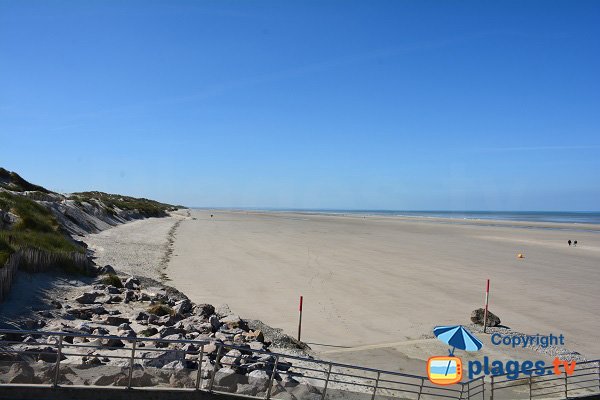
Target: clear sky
column 465, row 105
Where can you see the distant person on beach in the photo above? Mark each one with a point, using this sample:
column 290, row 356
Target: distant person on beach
column 575, row 243
column 569, row 242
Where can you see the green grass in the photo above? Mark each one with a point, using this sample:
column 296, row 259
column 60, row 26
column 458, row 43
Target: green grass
column 35, row 228
column 113, row 280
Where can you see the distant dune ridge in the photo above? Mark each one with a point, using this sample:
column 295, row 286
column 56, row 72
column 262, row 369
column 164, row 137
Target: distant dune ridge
column 37, row 221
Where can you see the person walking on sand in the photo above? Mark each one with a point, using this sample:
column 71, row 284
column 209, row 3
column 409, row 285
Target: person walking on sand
column 569, row 242
column 575, row 243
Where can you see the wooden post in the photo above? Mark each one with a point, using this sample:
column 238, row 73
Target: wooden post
column 487, row 297
column 300, row 319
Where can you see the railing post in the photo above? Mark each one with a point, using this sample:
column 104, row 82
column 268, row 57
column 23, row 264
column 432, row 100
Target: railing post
column 326, row 382
column 199, row 375
column 468, row 390
column 376, row 384
column 462, row 389
column 58, row 357
column 131, row 361
column 268, row 396
column 529, row 388
column 483, row 387
column 566, row 386
column 492, row 388
column 216, row 367
column 421, row 389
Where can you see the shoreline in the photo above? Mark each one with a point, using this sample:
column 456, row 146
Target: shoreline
column 566, row 226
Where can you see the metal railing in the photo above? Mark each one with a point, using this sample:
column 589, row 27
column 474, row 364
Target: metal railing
column 544, row 382
column 76, row 359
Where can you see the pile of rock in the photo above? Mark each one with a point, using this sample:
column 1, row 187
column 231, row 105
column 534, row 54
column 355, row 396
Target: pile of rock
column 238, row 355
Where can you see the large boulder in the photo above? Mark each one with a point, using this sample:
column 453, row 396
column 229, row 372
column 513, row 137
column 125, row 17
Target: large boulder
column 183, row 307
column 20, row 372
column 477, row 317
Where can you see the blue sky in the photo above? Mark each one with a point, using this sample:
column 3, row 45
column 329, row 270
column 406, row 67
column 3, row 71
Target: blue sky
column 331, row 104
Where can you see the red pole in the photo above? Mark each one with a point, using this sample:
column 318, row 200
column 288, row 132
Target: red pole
column 300, row 320
column 487, row 297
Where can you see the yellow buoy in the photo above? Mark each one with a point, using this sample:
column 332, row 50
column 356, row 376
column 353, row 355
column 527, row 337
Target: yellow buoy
column 520, row 255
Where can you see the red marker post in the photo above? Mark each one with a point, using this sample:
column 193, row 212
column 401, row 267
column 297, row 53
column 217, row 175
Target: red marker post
column 487, row 297
column 300, row 320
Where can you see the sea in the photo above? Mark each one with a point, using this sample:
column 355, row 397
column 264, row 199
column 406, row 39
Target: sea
column 577, row 217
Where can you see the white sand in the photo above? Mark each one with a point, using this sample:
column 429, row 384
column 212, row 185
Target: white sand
column 135, row 248
column 380, row 281
column 374, row 286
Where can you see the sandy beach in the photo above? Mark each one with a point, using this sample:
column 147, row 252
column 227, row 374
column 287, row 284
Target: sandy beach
column 374, row 287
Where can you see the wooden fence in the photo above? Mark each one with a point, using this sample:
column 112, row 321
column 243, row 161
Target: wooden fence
column 34, row 260
column 7, row 274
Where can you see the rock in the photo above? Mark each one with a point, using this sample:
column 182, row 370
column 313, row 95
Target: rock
column 99, row 331
column 149, row 332
column 204, row 310
column 114, row 299
column 129, row 296
column 180, row 378
column 115, row 321
column 160, row 359
column 259, row 379
column 92, row 361
column 233, row 321
column 256, row 345
column 306, row 391
column 106, row 270
column 214, row 322
column 165, row 331
column 87, row 298
column 167, row 320
column 256, row 335
column 227, row 380
column 56, row 304
column 108, row 379
column 142, row 316
column 132, row 283
column 178, row 364
column 124, row 327
column 113, row 290
column 87, row 312
column 231, row 359
column 288, row 381
column 139, row 378
column 20, row 372
column 477, row 317
column 183, row 307
column 113, row 343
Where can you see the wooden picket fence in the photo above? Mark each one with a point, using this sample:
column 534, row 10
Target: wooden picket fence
column 34, row 261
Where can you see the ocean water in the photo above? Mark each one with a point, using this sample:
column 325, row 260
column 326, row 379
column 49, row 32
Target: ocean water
column 583, row 217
